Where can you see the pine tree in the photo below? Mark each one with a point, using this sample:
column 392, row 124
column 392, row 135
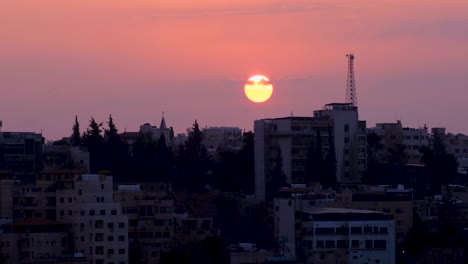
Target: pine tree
column 76, row 137
column 193, row 160
column 111, row 133
column 93, row 140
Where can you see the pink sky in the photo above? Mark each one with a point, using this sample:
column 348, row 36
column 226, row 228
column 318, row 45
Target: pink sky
column 137, row 58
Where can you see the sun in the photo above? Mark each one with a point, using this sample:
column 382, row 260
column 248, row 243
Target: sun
column 258, row 89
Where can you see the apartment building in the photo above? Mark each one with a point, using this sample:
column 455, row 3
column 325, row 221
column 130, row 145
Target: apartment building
column 150, row 216
column 21, row 152
column 350, row 139
column 98, row 225
column 34, row 240
column 395, row 136
column 336, row 235
column 292, row 136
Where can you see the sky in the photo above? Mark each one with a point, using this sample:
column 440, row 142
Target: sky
column 136, row 59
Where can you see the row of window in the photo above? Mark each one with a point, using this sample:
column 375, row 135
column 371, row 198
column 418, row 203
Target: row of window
column 91, row 212
column 99, row 250
column 368, row 244
column 351, row 230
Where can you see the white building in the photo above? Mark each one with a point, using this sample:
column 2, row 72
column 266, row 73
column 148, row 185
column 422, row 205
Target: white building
column 99, row 227
column 336, row 235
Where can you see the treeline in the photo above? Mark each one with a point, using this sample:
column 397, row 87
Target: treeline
column 187, row 165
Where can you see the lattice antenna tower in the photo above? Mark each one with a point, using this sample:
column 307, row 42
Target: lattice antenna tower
column 351, row 96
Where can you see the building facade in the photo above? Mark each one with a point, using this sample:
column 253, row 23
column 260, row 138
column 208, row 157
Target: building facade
column 290, row 137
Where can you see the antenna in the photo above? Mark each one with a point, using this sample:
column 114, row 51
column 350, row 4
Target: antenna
column 351, row 96
column 1, row 124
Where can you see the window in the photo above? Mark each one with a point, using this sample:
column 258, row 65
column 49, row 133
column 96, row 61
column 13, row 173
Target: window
column 102, row 212
column 121, row 238
column 99, row 250
column 380, row 244
column 356, row 230
column 113, row 212
column 62, row 213
column 368, row 243
column 99, row 237
column 329, row 243
column 110, row 225
column 110, row 238
column 79, row 192
column 323, row 230
column 62, row 200
column 121, row 225
column 102, row 186
column 99, row 224
column 346, row 128
column 166, row 234
column 368, row 229
column 383, row 230
column 320, row 244
column 91, row 212
column 342, row 243
column 121, row 251
column 355, row 243
column 110, row 251
column 70, row 212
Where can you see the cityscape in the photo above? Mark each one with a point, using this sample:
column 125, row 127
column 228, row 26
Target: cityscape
column 323, row 188
column 233, row 132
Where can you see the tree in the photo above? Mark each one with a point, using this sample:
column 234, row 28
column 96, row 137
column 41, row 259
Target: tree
column 442, row 166
column 193, row 161
column 246, row 163
column 145, row 156
column 278, row 177
column 111, row 133
column 93, row 140
column 329, row 179
column 116, row 156
column 76, row 137
column 164, row 159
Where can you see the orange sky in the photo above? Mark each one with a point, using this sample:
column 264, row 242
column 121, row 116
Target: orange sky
column 190, row 59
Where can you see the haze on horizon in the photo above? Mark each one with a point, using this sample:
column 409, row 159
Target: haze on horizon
column 136, row 58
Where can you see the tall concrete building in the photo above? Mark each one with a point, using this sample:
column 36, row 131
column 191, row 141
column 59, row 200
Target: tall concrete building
column 350, row 137
column 292, row 136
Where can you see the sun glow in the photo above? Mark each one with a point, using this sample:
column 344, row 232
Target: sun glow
column 258, row 89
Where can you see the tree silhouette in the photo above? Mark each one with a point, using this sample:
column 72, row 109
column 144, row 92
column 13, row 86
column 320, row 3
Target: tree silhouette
column 76, row 136
column 94, row 140
column 246, row 163
column 278, row 177
column 193, row 161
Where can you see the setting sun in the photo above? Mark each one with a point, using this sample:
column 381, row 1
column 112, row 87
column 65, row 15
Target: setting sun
column 258, row 89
